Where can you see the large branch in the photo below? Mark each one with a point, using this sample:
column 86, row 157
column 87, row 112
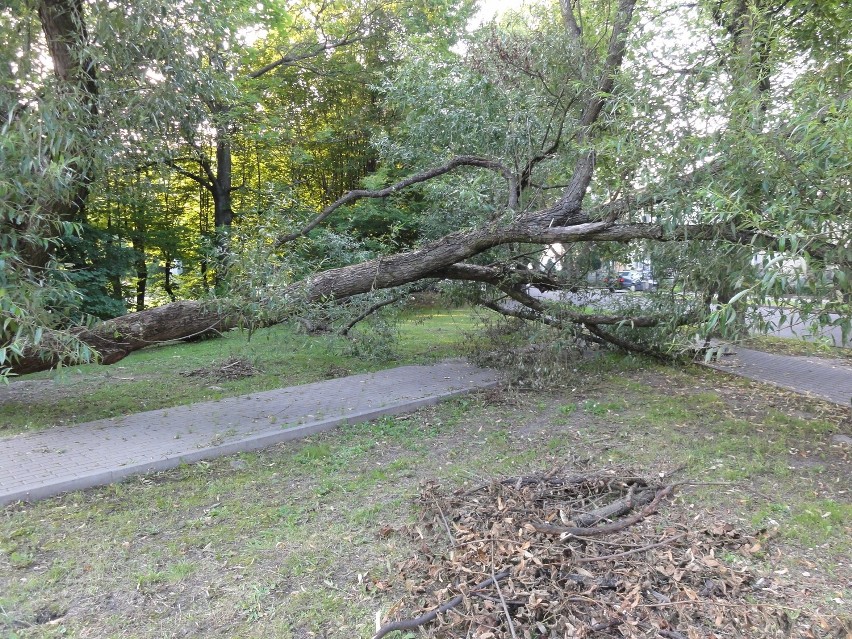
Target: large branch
column 626, row 345
column 508, row 281
column 573, row 196
column 172, row 164
column 523, row 313
column 294, row 56
column 497, row 275
column 424, row 176
column 570, row 20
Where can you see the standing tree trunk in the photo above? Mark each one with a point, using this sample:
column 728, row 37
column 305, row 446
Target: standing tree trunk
column 64, row 26
column 167, row 278
column 221, row 187
column 223, row 212
column 141, row 267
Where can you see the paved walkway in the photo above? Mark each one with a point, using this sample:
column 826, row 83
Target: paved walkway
column 829, row 379
column 39, row 465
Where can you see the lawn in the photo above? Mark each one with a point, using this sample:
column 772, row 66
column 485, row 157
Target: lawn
column 315, row 538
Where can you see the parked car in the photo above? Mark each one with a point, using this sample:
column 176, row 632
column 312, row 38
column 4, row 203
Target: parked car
column 624, row 280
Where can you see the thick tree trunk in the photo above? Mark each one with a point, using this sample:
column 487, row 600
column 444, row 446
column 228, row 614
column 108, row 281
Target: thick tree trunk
column 141, row 282
column 115, row 338
column 222, row 193
column 63, row 23
column 222, row 200
column 140, row 264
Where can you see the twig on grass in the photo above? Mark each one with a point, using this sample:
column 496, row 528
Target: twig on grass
column 502, row 599
column 446, row 524
column 509, row 602
column 586, row 560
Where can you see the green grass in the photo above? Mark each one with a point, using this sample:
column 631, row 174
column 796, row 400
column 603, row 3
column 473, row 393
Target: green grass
column 152, row 378
column 567, row 409
column 307, row 538
column 816, row 522
column 601, row 408
column 809, row 522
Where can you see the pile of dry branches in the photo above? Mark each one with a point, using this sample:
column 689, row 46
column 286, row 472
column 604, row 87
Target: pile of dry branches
column 231, row 369
column 571, row 557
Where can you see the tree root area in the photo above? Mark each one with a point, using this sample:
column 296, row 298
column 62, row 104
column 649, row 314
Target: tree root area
column 591, row 555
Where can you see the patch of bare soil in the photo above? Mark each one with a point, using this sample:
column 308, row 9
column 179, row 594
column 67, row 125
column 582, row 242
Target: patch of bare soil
column 577, row 556
column 25, row 391
column 28, row 391
column 231, row 369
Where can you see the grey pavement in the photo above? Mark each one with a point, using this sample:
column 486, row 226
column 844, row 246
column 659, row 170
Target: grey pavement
column 39, row 465
column 828, row 379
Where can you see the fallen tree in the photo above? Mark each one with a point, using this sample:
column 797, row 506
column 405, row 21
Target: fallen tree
column 114, row 339
column 527, row 218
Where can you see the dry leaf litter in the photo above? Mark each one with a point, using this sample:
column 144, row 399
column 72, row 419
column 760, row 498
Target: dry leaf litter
column 569, row 557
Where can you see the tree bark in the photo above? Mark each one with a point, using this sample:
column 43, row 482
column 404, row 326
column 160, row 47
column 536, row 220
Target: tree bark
column 221, row 188
column 114, row 339
column 63, row 23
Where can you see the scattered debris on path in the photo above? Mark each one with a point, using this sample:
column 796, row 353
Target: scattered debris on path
column 547, row 556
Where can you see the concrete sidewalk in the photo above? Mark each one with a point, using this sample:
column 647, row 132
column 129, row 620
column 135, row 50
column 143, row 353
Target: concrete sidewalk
column 828, row 379
column 39, row 465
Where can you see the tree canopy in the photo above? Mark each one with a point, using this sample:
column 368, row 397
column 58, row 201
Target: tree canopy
column 210, row 164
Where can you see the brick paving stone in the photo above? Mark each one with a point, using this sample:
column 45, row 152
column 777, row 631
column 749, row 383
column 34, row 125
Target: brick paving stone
column 829, row 379
column 38, row 465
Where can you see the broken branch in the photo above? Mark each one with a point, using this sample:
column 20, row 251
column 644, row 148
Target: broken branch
column 576, row 531
column 409, row 624
column 587, row 560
